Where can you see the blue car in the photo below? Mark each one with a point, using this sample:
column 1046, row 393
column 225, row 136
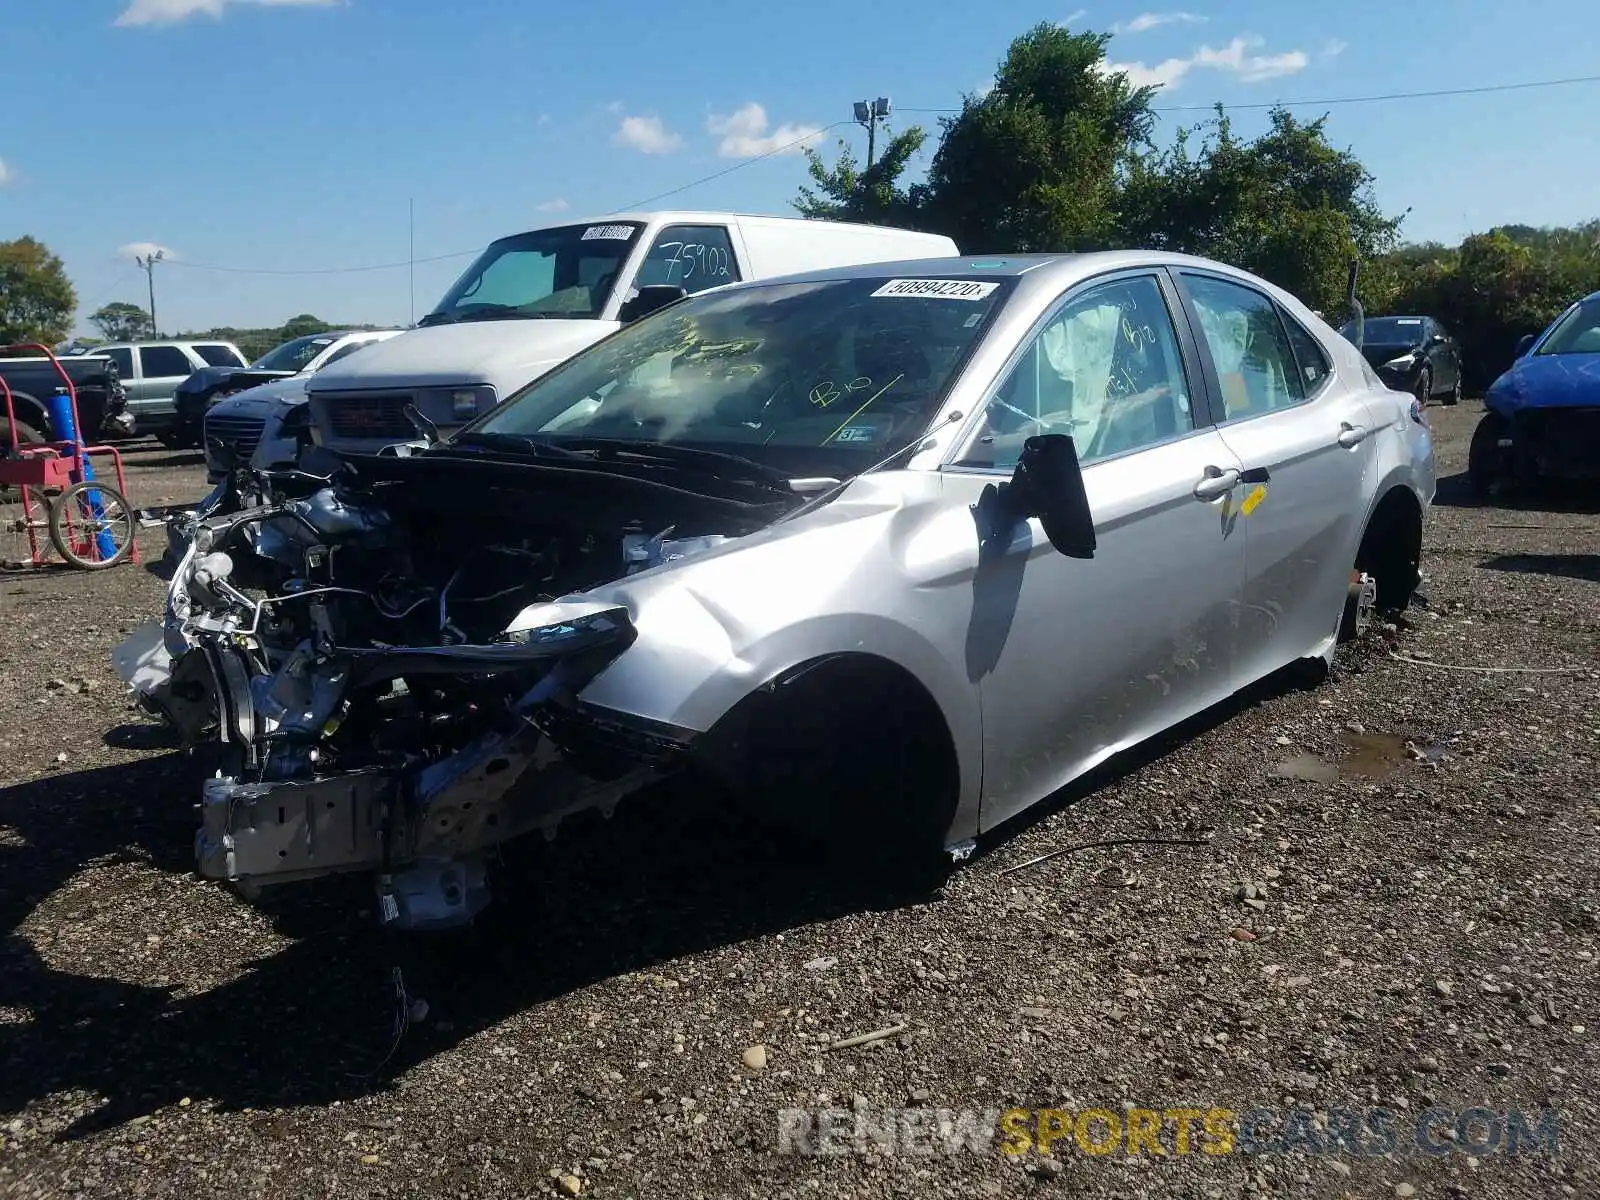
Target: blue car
column 1543, row 418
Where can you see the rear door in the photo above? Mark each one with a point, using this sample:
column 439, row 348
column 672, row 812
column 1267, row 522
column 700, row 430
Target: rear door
column 1304, row 439
column 161, row 370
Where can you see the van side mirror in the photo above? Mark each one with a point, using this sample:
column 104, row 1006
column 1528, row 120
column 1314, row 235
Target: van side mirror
column 1047, row 484
column 1525, row 343
column 650, row 298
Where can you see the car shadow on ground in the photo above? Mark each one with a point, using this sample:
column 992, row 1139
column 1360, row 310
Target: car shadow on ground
column 174, row 458
column 1568, row 566
column 668, row 876
column 1455, row 491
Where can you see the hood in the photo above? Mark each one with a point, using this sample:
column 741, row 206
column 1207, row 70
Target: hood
column 290, row 390
column 208, row 378
column 506, row 354
column 1378, row 353
column 1549, row 381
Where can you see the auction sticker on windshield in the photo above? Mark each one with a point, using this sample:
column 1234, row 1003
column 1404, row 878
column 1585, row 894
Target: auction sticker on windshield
column 941, row 289
column 607, row 233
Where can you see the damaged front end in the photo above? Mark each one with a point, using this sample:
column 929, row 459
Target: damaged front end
column 392, row 675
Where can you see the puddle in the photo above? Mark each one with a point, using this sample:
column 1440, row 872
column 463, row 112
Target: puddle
column 1372, row 755
column 1308, row 767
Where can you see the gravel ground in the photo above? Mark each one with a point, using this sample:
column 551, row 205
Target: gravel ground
column 1419, row 929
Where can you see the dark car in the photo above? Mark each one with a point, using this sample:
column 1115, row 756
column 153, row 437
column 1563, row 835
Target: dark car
column 102, row 399
column 1543, row 415
column 1413, row 354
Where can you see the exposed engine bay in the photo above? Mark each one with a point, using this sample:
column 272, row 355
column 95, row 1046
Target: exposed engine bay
column 390, row 657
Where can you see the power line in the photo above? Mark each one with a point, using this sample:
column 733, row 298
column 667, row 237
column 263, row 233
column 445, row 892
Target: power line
column 178, row 262
column 790, row 145
column 1333, row 100
column 738, row 166
column 1484, row 89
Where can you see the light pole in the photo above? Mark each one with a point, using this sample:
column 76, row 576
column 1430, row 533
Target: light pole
column 868, row 113
column 148, row 264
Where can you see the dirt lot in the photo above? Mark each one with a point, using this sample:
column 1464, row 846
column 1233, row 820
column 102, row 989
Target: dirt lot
column 1424, row 934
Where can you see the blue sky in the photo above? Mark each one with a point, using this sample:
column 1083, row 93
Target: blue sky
column 290, row 135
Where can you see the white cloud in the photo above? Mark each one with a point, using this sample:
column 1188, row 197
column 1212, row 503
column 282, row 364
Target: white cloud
column 551, row 206
column 1334, row 47
column 1145, row 21
column 1234, row 59
column 7, row 175
column 135, row 250
column 744, row 133
column 169, row 12
column 1073, row 17
column 647, row 135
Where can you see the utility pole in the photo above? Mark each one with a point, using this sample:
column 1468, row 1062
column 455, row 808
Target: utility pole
column 411, row 226
column 868, row 113
column 148, row 265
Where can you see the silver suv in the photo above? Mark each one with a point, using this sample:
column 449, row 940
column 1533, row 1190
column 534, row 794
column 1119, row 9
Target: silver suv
column 151, row 372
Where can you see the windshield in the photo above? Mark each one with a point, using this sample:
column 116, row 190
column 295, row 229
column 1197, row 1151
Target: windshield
column 1388, row 331
column 563, row 272
column 1576, row 333
column 293, row 356
column 822, row 377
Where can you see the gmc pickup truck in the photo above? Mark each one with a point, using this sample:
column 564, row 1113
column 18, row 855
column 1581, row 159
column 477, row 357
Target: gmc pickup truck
column 102, row 401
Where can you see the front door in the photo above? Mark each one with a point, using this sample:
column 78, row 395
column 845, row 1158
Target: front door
column 1076, row 659
column 1306, row 444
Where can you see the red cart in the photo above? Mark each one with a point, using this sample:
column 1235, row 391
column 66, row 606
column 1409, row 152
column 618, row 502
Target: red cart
column 90, row 523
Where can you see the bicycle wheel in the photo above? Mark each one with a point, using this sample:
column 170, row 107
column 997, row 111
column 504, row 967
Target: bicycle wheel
column 92, row 525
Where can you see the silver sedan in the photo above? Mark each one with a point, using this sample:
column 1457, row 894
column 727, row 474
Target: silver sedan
column 892, row 552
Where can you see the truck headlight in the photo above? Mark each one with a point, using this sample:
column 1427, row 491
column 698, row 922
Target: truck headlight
column 465, row 403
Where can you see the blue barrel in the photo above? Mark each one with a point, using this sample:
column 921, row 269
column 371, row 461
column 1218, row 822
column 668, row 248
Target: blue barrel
column 65, row 429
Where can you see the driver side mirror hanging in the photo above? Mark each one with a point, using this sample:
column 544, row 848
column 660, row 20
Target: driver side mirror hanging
column 1048, row 484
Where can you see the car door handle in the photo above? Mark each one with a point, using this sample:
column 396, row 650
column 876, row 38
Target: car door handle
column 1216, row 482
column 1352, row 435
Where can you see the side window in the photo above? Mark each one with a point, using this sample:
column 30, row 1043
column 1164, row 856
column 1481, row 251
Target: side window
column 347, row 349
column 1106, row 369
column 1255, row 365
column 1309, row 355
column 217, row 355
column 164, row 362
column 123, row 357
column 694, row 257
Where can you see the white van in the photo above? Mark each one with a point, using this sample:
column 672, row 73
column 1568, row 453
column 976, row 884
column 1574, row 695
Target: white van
column 533, row 300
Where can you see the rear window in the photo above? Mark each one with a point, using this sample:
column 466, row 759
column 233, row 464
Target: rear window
column 217, row 355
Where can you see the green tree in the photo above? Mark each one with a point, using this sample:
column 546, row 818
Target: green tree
column 1287, row 206
column 123, row 322
column 302, row 326
column 1034, row 164
column 37, row 299
column 873, row 195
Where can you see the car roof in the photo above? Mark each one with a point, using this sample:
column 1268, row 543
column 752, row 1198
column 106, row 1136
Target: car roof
column 1048, row 270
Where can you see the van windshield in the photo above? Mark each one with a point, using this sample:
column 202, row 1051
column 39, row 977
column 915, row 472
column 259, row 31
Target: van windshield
column 569, row 271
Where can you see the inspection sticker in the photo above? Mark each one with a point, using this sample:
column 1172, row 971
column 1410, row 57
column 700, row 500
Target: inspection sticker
column 941, row 289
column 607, row 233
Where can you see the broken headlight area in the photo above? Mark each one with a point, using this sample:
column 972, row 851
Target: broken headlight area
column 394, row 681
column 1559, row 443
